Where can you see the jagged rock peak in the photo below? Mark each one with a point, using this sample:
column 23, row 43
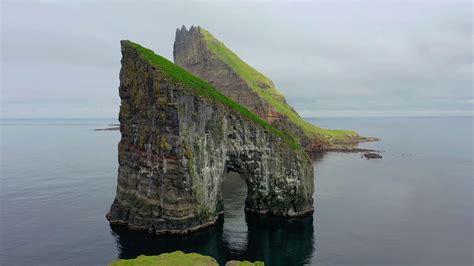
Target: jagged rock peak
column 191, row 29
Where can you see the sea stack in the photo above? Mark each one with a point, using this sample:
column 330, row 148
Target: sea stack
column 198, row 51
column 181, row 136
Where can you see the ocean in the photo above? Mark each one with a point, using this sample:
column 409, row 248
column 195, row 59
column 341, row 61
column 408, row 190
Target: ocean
column 413, row 207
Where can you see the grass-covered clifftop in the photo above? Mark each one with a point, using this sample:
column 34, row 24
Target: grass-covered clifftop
column 203, row 88
column 179, row 258
column 266, row 89
column 168, row 259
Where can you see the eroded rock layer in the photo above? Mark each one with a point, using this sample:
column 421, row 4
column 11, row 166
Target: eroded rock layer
column 177, row 146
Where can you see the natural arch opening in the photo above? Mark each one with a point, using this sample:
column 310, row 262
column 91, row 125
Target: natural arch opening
column 234, row 193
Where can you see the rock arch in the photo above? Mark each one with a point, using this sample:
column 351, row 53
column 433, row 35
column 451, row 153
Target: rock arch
column 176, row 146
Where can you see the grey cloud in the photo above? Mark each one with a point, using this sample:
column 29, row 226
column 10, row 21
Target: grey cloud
column 344, row 58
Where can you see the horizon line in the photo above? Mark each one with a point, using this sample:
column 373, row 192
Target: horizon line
column 304, row 117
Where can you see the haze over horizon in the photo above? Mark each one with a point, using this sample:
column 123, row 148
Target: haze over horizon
column 62, row 60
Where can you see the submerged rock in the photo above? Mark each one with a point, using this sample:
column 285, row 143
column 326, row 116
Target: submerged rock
column 372, row 155
column 179, row 138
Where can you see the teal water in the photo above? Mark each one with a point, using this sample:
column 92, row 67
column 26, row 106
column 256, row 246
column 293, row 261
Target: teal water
column 413, row 207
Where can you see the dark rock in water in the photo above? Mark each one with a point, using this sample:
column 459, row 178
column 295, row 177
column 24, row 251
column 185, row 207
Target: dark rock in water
column 107, row 129
column 179, row 138
column 372, row 155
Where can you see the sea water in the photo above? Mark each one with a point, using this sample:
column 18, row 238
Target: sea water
column 413, row 207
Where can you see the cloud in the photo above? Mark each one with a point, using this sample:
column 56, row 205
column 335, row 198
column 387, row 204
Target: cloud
column 362, row 58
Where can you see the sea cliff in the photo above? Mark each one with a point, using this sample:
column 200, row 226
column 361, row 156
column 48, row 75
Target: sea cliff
column 198, row 51
column 180, row 136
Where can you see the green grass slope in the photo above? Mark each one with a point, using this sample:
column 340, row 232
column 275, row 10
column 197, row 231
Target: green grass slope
column 203, row 88
column 265, row 88
column 179, row 258
column 169, row 259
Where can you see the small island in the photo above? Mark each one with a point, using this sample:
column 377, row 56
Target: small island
column 180, row 136
column 198, row 51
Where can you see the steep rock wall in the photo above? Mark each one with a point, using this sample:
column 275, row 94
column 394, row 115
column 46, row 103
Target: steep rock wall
column 177, row 147
column 191, row 52
column 202, row 54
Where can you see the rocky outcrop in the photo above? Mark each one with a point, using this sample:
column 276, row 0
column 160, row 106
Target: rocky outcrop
column 244, row 263
column 199, row 52
column 372, row 155
column 180, row 137
column 192, row 53
column 180, row 258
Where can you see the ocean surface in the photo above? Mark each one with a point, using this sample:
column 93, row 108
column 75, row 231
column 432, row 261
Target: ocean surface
column 413, row 207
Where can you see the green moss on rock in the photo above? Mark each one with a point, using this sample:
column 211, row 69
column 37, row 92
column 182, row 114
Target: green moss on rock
column 179, row 258
column 188, row 153
column 164, row 145
column 169, row 259
column 265, row 88
column 244, row 263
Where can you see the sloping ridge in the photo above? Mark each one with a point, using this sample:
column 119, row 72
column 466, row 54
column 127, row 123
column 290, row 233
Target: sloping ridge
column 198, row 51
column 203, row 88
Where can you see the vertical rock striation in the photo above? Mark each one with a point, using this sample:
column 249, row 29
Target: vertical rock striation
column 180, row 137
column 199, row 52
column 192, row 53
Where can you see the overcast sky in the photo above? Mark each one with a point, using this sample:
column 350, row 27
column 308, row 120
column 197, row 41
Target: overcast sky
column 62, row 60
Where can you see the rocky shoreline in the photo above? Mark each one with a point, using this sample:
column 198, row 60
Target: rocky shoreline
column 355, row 140
column 108, row 129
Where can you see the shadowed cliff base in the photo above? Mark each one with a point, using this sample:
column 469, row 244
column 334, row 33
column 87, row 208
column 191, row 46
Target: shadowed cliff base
column 198, row 51
column 180, row 136
column 293, row 237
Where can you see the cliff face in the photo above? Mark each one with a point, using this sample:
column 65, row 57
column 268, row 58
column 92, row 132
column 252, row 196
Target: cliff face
column 199, row 52
column 191, row 52
column 180, row 137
